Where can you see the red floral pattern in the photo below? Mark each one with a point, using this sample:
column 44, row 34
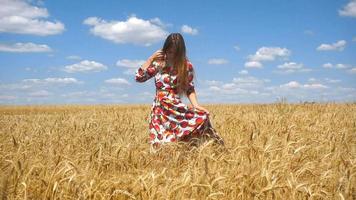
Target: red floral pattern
column 170, row 119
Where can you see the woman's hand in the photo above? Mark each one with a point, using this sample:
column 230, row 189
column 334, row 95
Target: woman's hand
column 158, row 55
column 201, row 108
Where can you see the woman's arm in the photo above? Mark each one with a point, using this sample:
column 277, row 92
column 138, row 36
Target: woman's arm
column 148, row 69
column 147, row 63
column 193, row 100
column 158, row 55
column 192, row 96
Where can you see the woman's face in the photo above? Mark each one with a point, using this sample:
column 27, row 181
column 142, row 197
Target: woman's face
column 170, row 53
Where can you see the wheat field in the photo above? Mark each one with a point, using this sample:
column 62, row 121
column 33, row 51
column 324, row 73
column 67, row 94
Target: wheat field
column 272, row 151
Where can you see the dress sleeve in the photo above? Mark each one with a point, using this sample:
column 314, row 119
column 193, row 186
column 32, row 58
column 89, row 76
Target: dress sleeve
column 142, row 75
column 190, row 88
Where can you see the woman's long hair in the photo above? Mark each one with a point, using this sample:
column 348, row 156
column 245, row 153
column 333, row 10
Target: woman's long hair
column 176, row 42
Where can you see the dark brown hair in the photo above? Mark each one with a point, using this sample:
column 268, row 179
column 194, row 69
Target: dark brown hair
column 176, row 42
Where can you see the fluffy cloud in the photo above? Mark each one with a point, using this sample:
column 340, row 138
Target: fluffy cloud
column 337, row 46
column 73, row 57
column 349, row 9
column 249, row 82
column 117, row 81
column 52, row 80
column 31, row 84
column 327, row 65
column 295, row 84
column 40, row 93
column 243, row 72
column 25, row 48
column 266, row 54
column 217, row 61
column 85, row 66
column 4, row 98
column 342, row 66
column 237, row 48
column 291, row 67
column 325, row 80
column 133, row 30
column 352, row 71
column 78, row 96
column 309, row 32
column 239, row 85
column 241, row 89
column 130, row 65
column 212, row 82
column 337, row 66
column 291, row 84
column 253, row 64
column 189, row 30
column 18, row 16
column 332, row 80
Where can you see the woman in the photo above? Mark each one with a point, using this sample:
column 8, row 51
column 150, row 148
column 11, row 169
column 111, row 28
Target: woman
column 170, row 119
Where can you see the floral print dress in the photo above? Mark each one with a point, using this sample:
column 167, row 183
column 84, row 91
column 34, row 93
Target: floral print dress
column 170, row 119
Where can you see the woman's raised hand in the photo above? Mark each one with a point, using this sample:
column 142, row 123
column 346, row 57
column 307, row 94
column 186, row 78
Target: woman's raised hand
column 158, row 55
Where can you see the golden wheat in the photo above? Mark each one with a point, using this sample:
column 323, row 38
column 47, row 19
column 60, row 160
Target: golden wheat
column 274, row 151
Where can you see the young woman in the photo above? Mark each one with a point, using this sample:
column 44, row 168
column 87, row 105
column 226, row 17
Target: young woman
column 170, row 119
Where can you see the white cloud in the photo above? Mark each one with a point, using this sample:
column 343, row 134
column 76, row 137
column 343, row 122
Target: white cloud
column 266, row 54
column 352, row 71
column 337, row 46
column 354, row 39
column 327, row 65
column 243, row 72
column 337, row 66
column 24, row 48
column 157, row 21
column 213, row 82
column 249, row 82
column 325, row 80
column 85, row 66
column 52, row 80
column 269, row 53
column 189, row 30
column 217, row 61
column 309, row 32
column 117, row 81
column 95, row 95
column 133, row 30
column 228, row 86
column 237, row 48
column 40, row 93
column 342, row 66
column 18, row 16
column 295, row 84
column 312, row 79
column 130, row 65
column 349, row 9
column 332, row 80
column 291, row 67
column 253, row 64
column 73, row 57
column 240, row 88
column 314, row 86
column 291, row 84
column 7, row 97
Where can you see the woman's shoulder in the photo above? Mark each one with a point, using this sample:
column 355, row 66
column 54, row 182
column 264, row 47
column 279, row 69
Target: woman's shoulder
column 189, row 65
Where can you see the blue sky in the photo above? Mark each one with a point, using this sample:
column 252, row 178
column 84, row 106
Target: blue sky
column 86, row 52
